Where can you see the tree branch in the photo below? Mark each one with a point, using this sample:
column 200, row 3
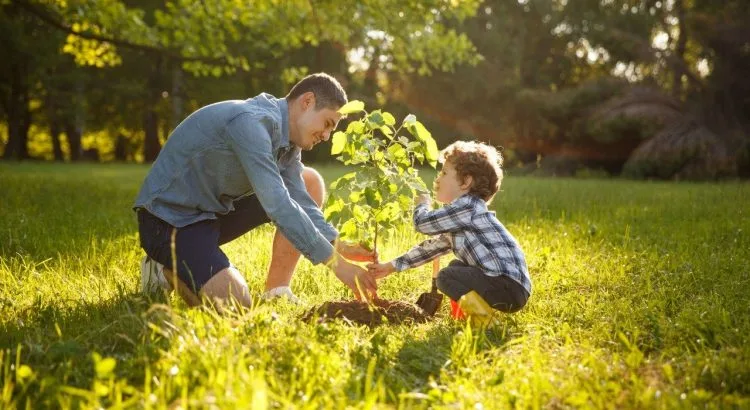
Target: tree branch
column 54, row 22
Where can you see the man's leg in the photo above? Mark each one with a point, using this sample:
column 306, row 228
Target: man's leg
column 203, row 270
column 284, row 256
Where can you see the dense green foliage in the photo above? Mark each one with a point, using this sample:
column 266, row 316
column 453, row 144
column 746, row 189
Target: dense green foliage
column 640, row 301
column 378, row 194
column 156, row 61
column 560, row 84
column 589, row 81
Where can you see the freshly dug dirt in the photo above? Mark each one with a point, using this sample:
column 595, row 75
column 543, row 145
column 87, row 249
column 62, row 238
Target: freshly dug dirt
column 381, row 311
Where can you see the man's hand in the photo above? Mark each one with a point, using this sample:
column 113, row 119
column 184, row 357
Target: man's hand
column 380, row 270
column 355, row 253
column 355, row 278
column 422, row 198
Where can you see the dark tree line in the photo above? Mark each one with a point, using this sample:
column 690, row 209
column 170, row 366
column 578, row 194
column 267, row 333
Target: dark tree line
column 639, row 88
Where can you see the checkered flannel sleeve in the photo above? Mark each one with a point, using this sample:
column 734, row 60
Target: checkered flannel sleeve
column 423, row 253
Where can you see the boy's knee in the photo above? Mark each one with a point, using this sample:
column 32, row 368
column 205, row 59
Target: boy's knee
column 444, row 279
column 314, row 184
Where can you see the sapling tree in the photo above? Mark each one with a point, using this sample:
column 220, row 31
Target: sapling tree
column 378, row 194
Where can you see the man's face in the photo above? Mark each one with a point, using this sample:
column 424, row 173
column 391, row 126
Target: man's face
column 315, row 126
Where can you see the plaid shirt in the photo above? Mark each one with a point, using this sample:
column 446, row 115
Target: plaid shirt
column 474, row 234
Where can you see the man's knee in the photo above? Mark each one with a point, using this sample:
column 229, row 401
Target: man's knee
column 225, row 285
column 314, row 184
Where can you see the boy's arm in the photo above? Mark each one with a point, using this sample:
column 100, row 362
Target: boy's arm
column 450, row 218
column 423, row 253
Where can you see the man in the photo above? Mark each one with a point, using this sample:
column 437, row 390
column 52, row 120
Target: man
column 230, row 167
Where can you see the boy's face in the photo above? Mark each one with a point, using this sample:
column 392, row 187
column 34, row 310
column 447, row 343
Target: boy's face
column 448, row 186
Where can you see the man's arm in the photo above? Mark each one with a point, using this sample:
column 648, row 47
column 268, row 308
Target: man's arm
column 248, row 135
column 450, row 218
column 292, row 177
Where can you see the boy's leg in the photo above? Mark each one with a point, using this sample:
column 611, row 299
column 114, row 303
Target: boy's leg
column 284, row 256
column 502, row 293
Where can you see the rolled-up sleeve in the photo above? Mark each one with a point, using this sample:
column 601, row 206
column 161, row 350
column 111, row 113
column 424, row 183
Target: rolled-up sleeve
column 249, row 136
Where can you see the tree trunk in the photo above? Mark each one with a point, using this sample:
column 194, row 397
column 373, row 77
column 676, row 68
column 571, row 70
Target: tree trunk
column 54, row 132
column 19, row 119
column 121, row 148
column 151, row 146
column 74, row 126
column 53, row 115
column 74, row 140
column 178, row 90
column 679, row 49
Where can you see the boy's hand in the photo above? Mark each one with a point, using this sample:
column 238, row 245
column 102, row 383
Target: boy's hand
column 422, row 199
column 355, row 253
column 380, row 270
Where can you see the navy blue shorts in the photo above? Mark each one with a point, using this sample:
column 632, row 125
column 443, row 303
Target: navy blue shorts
column 197, row 250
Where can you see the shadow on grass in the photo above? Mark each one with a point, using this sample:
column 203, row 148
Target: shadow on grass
column 57, row 341
column 446, row 349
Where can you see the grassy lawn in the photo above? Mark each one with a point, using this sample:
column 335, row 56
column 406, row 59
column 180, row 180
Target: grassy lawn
column 641, row 300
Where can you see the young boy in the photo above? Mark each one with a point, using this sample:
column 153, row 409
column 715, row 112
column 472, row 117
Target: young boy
column 490, row 270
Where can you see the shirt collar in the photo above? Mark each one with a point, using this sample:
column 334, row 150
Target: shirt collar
column 284, row 108
column 474, row 200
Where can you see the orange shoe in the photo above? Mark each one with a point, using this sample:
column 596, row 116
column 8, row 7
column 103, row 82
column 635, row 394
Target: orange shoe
column 456, row 311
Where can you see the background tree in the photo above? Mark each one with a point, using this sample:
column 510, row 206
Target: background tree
column 223, row 37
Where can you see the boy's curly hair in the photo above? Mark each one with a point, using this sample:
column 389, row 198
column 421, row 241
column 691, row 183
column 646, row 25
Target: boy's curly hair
column 480, row 161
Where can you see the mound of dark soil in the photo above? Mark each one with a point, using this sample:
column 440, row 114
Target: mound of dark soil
column 379, row 312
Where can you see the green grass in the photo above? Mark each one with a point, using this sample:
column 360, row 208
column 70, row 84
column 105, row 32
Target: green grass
column 640, row 301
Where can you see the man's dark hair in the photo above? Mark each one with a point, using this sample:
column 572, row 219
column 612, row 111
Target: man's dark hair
column 328, row 92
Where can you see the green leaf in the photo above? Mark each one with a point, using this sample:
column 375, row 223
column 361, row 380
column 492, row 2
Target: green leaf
column 421, row 132
column 355, row 127
column 104, row 367
column 24, row 372
column 397, row 151
column 338, row 142
column 371, row 197
column 352, row 107
column 432, row 153
column 375, row 119
column 388, row 118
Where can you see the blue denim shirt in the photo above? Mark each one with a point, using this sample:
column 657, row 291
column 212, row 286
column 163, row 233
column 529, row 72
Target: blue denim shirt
column 228, row 150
